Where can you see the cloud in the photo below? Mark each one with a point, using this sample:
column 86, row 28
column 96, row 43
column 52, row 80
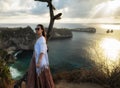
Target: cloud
column 15, row 7
column 71, row 9
column 75, row 8
column 106, row 9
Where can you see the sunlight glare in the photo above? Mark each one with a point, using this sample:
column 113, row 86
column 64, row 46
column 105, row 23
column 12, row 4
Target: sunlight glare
column 108, row 9
column 112, row 6
column 111, row 48
column 110, row 26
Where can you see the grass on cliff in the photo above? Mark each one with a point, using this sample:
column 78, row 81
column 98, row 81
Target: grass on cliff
column 95, row 75
column 5, row 76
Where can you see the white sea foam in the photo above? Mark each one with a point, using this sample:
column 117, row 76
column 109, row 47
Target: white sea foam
column 14, row 72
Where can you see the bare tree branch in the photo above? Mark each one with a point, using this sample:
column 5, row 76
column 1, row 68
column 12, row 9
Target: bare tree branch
column 48, row 1
column 52, row 17
column 58, row 16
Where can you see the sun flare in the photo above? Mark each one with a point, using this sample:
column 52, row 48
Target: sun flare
column 106, row 10
column 111, row 48
column 110, row 26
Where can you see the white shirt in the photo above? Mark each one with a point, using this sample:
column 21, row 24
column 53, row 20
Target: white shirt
column 41, row 47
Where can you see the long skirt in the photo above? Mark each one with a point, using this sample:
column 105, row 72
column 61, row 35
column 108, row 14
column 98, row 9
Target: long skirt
column 44, row 80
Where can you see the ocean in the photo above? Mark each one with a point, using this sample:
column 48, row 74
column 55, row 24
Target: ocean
column 83, row 50
column 57, row 25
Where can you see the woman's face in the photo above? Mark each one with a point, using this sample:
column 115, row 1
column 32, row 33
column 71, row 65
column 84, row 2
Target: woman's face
column 38, row 30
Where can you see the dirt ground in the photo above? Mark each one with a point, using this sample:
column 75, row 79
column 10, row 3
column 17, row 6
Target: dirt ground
column 63, row 84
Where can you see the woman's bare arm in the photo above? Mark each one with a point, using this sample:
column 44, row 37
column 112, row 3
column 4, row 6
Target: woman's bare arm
column 39, row 60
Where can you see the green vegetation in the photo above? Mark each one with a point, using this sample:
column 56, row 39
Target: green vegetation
column 3, row 54
column 5, row 76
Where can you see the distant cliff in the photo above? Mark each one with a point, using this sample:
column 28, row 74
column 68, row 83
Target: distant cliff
column 17, row 38
column 89, row 29
column 61, row 33
column 24, row 38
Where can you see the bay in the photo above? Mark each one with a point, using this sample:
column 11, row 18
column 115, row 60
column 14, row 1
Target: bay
column 84, row 50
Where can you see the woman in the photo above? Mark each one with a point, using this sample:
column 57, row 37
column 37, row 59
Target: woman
column 39, row 75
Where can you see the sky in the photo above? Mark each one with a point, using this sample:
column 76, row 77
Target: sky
column 73, row 11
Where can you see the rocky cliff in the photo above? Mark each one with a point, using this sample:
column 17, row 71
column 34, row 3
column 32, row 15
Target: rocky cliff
column 61, row 33
column 17, row 38
column 24, row 38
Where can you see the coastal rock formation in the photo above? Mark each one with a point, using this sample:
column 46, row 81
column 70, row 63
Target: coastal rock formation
column 24, row 38
column 17, row 38
column 8, row 58
column 61, row 34
column 89, row 29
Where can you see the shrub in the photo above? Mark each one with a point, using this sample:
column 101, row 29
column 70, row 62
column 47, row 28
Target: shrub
column 95, row 75
column 5, row 77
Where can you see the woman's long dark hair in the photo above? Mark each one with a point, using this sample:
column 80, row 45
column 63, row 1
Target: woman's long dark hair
column 43, row 33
